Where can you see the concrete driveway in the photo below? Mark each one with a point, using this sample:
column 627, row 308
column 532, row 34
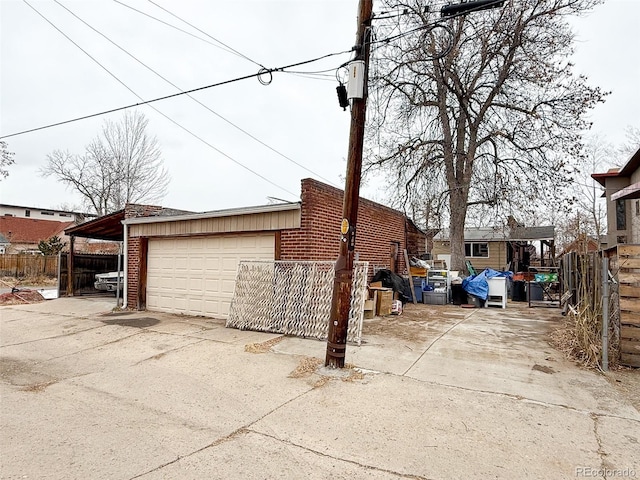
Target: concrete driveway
column 438, row 393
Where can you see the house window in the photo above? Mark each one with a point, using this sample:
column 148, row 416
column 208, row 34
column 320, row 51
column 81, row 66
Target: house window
column 621, row 239
column 27, row 213
column 47, row 213
column 637, row 208
column 621, row 215
column 64, row 214
column 476, row 250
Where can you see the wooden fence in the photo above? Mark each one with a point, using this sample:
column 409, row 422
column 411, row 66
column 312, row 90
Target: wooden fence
column 21, row 265
column 625, row 262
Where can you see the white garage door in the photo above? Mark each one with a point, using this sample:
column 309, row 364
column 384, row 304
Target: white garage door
column 196, row 276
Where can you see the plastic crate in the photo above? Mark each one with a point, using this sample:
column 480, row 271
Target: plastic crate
column 434, row 298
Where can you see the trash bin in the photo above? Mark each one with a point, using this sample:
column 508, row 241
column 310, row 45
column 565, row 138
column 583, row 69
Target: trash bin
column 458, row 295
column 518, row 291
column 534, row 291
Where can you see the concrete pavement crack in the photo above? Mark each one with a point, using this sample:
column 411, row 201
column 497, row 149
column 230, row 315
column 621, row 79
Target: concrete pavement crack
column 601, row 453
column 162, row 354
column 352, row 462
column 53, row 336
column 525, row 399
column 219, row 441
column 466, row 317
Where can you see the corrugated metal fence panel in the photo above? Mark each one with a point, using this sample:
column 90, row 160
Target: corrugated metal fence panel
column 293, row 298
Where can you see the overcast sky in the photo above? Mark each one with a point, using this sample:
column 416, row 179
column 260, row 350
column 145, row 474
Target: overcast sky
column 46, row 79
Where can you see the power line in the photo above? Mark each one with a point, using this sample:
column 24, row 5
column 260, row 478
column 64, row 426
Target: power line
column 158, row 111
column 191, row 97
column 233, row 50
column 174, row 95
column 172, row 26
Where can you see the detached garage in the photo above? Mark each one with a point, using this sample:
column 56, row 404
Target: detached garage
column 188, row 263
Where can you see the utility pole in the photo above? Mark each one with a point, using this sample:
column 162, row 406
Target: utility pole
column 341, row 300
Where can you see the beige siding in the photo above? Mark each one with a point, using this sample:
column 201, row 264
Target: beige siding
column 497, row 255
column 240, row 223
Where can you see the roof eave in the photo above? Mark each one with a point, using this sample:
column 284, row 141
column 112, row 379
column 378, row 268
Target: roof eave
column 280, row 207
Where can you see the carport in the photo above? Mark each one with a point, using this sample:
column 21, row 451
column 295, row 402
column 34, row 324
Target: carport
column 108, row 227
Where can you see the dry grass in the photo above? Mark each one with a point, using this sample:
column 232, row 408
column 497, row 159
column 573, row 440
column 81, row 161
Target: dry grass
column 580, row 337
column 321, row 382
column 306, row 367
column 354, row 375
column 263, row 347
column 37, row 281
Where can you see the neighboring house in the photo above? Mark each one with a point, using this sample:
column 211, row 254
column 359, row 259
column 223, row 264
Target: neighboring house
column 4, row 244
column 622, row 191
column 499, row 248
column 582, row 244
column 44, row 214
column 187, row 263
column 24, row 234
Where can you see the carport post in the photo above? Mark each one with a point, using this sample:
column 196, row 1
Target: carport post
column 341, row 300
column 72, row 240
column 118, row 286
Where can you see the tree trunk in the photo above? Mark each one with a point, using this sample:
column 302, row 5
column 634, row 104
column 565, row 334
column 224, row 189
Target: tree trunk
column 458, row 204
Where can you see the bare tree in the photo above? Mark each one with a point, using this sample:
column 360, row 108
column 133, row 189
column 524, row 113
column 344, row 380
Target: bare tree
column 122, row 165
column 631, row 144
column 586, row 214
column 6, row 159
column 482, row 110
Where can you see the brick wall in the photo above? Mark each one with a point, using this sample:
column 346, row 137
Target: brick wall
column 133, row 262
column 321, row 214
column 416, row 240
column 133, row 250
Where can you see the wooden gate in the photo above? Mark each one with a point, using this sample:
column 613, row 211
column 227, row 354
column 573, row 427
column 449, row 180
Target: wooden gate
column 85, row 268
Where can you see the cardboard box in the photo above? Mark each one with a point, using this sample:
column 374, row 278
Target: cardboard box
column 369, row 308
column 418, row 271
column 385, row 300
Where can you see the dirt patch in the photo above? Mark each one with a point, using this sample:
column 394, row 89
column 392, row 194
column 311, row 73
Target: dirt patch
column 627, row 382
column 21, row 297
column 38, row 387
column 416, row 322
column 24, row 374
column 543, row 369
column 263, row 347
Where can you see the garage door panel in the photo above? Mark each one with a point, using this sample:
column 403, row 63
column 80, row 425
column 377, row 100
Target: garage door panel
column 229, row 264
column 196, row 276
column 228, row 286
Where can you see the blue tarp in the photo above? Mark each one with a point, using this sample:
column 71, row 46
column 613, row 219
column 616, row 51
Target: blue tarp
column 477, row 284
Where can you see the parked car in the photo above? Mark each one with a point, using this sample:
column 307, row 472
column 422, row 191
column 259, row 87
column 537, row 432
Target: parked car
column 108, row 282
